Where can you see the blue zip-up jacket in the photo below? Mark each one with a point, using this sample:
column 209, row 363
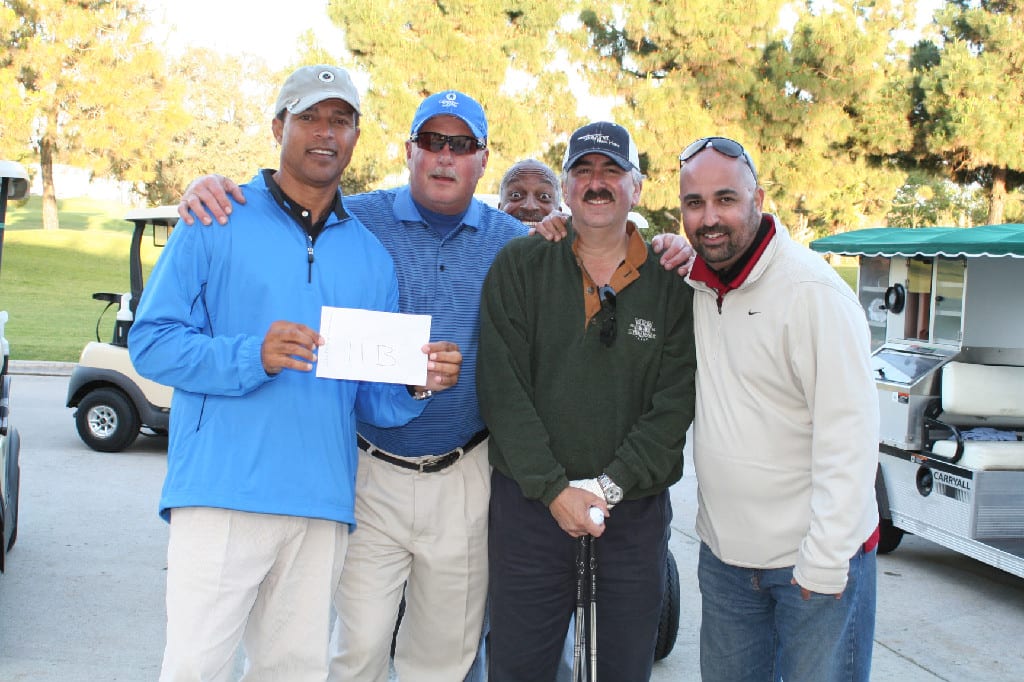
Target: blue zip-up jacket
column 240, row 438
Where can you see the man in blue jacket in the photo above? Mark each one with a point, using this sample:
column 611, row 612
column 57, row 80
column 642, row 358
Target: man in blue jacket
column 262, row 459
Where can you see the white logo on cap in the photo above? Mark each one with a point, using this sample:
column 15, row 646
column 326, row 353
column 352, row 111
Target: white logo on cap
column 325, row 76
column 451, row 96
column 450, row 101
column 599, row 139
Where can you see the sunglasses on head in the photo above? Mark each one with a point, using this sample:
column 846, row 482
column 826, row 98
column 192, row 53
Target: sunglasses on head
column 722, row 145
column 609, row 327
column 458, row 144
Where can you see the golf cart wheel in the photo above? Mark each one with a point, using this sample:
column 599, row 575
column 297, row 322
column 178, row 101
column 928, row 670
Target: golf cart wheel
column 107, row 421
column 668, row 622
column 889, row 536
column 14, row 481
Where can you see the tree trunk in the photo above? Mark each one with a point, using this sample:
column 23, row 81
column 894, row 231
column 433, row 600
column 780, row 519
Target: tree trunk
column 50, row 219
column 997, row 198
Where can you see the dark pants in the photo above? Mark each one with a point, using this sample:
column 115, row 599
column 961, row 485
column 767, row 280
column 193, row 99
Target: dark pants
column 533, row 586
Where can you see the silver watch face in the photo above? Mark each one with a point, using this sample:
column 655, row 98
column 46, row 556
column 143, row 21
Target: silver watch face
column 612, row 492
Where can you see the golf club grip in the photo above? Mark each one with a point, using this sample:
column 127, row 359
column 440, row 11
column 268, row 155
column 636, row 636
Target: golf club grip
column 578, row 627
column 581, row 569
column 592, row 561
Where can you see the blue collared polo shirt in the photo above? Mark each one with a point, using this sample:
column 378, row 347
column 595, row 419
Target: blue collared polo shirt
column 441, row 277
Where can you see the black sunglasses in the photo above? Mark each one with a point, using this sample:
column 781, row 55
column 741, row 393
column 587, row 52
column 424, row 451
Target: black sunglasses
column 459, row 144
column 722, row 145
column 608, row 327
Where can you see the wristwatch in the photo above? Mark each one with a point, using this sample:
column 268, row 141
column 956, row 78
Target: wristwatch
column 612, row 492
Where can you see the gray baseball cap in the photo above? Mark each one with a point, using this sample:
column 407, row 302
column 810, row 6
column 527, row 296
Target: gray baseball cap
column 313, row 84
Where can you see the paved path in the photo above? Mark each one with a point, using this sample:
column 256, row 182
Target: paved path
column 82, row 599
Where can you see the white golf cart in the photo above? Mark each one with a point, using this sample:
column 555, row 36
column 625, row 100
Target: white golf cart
column 947, row 321
column 114, row 403
column 13, row 185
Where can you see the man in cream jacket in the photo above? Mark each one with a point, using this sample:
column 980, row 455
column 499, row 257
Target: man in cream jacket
column 785, row 439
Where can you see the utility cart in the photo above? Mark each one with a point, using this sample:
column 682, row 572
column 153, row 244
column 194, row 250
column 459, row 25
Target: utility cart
column 946, row 311
column 13, row 185
column 114, row 403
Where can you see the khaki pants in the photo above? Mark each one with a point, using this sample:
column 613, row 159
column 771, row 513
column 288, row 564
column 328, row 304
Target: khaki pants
column 262, row 579
column 428, row 530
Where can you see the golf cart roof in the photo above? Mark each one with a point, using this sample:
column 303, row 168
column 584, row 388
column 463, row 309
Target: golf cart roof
column 163, row 214
column 12, row 169
column 18, row 188
column 972, row 242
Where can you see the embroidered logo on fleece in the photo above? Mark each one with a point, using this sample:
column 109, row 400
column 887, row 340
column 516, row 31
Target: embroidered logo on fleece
column 642, row 330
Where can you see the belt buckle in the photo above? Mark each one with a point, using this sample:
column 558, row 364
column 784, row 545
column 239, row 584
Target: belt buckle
column 442, row 458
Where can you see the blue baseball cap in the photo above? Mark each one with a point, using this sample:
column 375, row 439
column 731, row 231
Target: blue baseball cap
column 452, row 103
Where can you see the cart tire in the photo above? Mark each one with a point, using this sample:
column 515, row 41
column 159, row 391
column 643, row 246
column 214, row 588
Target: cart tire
column 668, row 623
column 889, row 536
column 14, row 475
column 106, row 420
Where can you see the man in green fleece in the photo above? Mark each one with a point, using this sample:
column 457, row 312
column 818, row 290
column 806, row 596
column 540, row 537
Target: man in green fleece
column 585, row 378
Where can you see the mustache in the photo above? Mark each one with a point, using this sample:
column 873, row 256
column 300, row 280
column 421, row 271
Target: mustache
column 705, row 230
column 448, row 173
column 591, row 195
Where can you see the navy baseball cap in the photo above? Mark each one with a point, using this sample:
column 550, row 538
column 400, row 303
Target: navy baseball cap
column 602, row 137
column 452, row 103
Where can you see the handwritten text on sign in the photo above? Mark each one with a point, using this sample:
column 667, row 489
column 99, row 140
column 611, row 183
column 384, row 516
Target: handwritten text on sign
column 373, row 346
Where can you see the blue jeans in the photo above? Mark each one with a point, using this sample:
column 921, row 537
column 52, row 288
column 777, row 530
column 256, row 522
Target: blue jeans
column 755, row 627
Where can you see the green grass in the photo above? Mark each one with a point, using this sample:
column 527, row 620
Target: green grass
column 849, row 274
column 48, row 277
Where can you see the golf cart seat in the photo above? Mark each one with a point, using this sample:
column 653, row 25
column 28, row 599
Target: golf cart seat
column 988, row 396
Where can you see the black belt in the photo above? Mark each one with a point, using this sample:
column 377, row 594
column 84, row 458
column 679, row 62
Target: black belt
column 432, row 464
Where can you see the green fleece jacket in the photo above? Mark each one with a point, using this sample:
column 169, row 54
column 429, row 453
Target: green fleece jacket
column 561, row 405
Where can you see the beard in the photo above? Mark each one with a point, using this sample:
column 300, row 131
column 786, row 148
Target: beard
column 738, row 239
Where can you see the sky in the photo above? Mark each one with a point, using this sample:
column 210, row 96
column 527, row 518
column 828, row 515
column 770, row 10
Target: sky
column 264, row 27
column 271, row 28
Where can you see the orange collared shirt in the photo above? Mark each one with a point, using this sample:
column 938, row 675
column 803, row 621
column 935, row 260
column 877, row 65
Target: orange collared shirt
column 624, row 275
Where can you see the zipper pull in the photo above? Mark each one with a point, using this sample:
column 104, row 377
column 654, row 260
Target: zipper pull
column 309, row 256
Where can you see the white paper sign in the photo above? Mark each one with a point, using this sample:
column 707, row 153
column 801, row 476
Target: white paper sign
column 372, row 346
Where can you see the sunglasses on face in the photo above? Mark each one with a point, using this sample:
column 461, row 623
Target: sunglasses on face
column 722, row 145
column 460, row 145
column 608, row 327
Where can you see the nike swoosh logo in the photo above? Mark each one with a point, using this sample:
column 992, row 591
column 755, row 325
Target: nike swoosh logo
column 753, row 312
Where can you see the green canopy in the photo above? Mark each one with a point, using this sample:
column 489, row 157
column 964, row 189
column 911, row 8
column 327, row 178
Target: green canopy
column 972, row 242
